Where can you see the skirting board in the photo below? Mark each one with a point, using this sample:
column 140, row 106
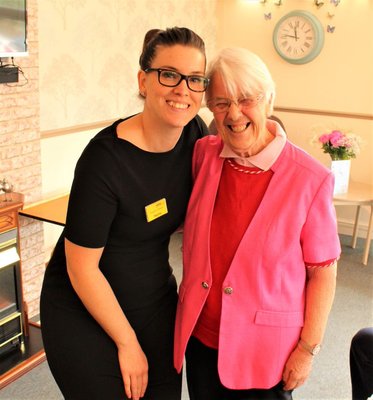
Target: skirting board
column 346, row 227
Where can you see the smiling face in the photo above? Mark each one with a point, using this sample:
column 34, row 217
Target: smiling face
column 172, row 106
column 240, row 126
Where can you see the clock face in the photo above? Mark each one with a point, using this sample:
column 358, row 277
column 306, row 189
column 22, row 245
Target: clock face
column 298, row 37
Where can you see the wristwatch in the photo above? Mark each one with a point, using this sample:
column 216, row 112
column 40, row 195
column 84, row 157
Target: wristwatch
column 313, row 350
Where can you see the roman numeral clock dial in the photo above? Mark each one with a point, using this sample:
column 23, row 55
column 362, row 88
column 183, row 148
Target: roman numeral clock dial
column 298, row 37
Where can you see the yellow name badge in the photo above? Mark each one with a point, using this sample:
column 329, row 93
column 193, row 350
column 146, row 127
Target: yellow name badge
column 156, row 210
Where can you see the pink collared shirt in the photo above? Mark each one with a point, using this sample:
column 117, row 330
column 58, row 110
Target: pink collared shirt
column 265, row 158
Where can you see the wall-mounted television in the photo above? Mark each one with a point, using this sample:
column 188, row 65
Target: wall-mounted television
column 13, row 28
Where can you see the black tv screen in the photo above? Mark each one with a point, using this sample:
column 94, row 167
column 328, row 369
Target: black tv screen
column 13, row 28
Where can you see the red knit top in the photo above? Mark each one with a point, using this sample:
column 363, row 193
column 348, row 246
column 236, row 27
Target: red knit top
column 240, row 192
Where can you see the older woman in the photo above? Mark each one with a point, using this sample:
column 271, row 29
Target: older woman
column 260, row 247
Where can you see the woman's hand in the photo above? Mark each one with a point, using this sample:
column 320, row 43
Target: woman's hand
column 134, row 368
column 320, row 290
column 297, row 369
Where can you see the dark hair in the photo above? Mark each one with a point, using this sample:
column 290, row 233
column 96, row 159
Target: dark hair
column 168, row 37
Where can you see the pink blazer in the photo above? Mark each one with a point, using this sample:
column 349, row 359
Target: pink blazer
column 263, row 312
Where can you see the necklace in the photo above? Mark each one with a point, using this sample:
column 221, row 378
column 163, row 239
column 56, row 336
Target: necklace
column 245, row 171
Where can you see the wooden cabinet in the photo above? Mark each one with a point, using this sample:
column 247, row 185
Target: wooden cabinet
column 22, row 349
column 8, row 219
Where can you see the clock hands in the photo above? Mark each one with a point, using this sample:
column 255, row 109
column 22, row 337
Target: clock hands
column 295, row 33
column 294, row 37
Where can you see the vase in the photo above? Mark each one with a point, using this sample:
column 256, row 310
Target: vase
column 341, row 171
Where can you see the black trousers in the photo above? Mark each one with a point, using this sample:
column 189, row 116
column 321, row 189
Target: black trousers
column 361, row 364
column 204, row 383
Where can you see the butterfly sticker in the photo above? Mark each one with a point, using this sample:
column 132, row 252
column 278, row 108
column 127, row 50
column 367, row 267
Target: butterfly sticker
column 267, row 16
column 330, row 28
column 330, row 15
column 278, row 3
column 319, row 3
column 335, row 2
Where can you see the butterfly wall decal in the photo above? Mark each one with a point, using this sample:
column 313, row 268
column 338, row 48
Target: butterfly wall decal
column 319, row 3
column 330, row 28
column 335, row 2
column 267, row 16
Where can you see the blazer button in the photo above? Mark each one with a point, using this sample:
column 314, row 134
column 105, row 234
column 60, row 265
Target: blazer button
column 205, row 285
column 228, row 290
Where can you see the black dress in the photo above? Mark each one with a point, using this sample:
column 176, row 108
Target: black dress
column 114, row 181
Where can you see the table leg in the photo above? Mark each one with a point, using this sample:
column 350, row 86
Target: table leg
column 368, row 239
column 356, row 226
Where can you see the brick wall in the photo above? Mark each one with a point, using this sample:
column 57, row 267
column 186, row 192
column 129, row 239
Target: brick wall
column 20, row 156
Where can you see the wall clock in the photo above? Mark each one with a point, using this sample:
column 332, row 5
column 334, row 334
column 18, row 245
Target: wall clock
column 298, row 37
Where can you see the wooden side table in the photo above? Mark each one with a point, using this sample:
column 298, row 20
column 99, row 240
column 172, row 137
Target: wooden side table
column 53, row 210
column 359, row 194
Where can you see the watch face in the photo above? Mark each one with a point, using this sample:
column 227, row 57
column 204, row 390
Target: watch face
column 298, row 37
column 316, row 349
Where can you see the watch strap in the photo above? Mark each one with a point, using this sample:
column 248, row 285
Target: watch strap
column 313, row 350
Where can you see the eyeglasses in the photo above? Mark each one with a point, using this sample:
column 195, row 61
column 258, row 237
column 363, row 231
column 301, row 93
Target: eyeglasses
column 169, row 78
column 222, row 105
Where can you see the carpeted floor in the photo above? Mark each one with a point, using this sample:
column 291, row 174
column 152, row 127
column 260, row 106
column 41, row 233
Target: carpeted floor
column 330, row 379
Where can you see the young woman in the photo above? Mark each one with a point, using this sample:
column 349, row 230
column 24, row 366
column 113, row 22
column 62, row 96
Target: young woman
column 109, row 297
column 260, row 247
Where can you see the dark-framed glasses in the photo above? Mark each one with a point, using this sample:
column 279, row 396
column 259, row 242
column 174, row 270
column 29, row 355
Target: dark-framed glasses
column 220, row 105
column 169, row 78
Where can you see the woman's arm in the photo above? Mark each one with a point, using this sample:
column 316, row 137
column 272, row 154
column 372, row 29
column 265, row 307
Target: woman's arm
column 320, row 290
column 99, row 299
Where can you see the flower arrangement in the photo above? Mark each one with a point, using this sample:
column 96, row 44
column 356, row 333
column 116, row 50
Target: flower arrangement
column 340, row 145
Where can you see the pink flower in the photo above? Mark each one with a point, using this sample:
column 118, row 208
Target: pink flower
column 348, row 142
column 324, row 138
column 339, row 145
column 336, row 138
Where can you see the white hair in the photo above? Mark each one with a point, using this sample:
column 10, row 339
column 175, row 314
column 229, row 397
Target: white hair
column 243, row 72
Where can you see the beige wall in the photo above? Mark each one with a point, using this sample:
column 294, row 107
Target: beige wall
column 89, row 52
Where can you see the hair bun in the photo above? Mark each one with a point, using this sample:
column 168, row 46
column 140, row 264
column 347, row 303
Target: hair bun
column 149, row 36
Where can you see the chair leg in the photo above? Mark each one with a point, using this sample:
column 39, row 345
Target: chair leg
column 356, row 226
column 369, row 236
